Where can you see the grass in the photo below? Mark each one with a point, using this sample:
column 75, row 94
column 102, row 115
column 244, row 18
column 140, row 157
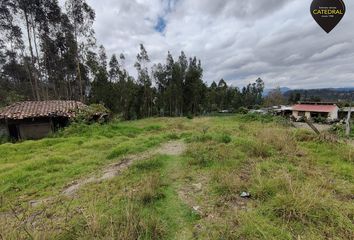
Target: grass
column 301, row 185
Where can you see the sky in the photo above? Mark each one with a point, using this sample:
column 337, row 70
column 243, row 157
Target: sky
column 238, row 40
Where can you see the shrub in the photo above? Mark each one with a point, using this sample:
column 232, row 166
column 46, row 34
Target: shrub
column 173, row 136
column 225, row 138
column 242, row 110
column 199, row 156
column 281, row 140
column 319, row 119
column 190, row 116
column 150, row 190
column 149, row 165
column 3, row 139
column 261, row 150
column 303, row 135
column 153, row 128
column 132, row 224
column 200, row 138
column 93, row 113
column 119, row 151
column 254, row 117
column 308, row 204
column 229, row 184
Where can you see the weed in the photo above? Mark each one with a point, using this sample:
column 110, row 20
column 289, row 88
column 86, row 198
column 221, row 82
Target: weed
column 149, row 165
column 260, row 150
column 225, row 138
column 301, row 185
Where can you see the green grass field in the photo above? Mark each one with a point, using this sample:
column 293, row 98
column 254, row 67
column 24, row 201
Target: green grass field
column 301, row 185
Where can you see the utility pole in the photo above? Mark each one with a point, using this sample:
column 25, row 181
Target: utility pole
column 347, row 124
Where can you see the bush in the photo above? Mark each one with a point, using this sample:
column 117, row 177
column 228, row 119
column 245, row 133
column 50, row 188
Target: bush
column 4, row 139
column 303, row 135
column 190, row 116
column 131, row 224
column 150, row 190
column 254, row 117
column 93, row 113
column 225, row 138
column 242, row 110
column 261, row 150
column 319, row 119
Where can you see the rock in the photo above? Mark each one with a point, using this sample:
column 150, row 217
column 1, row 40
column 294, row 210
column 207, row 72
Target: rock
column 245, row 195
column 196, row 208
column 198, row 186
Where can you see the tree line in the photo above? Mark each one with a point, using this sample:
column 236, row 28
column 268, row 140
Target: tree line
column 49, row 52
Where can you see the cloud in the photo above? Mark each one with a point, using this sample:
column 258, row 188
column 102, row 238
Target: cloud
column 237, row 40
column 332, row 51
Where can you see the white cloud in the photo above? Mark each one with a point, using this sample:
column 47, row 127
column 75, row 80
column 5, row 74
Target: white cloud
column 237, row 40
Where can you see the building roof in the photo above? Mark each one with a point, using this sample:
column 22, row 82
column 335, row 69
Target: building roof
column 34, row 109
column 314, row 108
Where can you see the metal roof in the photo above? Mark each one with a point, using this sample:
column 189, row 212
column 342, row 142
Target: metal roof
column 314, row 108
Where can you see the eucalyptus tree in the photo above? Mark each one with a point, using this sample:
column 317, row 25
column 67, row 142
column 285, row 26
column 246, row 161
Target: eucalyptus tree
column 144, row 80
column 82, row 17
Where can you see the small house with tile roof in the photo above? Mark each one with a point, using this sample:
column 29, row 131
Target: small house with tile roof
column 36, row 119
column 310, row 110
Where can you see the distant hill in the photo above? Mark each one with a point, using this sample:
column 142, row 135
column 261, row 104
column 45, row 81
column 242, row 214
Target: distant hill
column 325, row 94
column 282, row 90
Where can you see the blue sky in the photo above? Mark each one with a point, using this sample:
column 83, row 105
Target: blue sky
column 160, row 25
column 237, row 40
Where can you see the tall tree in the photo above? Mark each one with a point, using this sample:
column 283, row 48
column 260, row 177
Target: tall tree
column 144, row 81
column 275, row 98
column 114, row 69
column 81, row 16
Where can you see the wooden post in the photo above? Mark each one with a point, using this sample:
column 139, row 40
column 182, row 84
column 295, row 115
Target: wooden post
column 347, row 124
column 312, row 126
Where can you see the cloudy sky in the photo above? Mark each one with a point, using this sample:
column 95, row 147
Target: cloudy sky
column 238, row 40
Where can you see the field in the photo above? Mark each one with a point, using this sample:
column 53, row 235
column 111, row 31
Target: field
column 301, row 185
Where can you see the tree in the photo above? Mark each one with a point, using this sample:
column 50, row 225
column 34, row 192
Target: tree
column 275, row 98
column 114, row 69
column 252, row 93
column 144, row 81
column 60, row 61
column 194, row 88
column 81, row 16
column 294, row 97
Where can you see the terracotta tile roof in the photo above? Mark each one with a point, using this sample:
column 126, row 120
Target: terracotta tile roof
column 33, row 109
column 314, row 108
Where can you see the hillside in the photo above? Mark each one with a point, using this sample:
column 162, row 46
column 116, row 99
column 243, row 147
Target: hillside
column 178, row 178
column 325, row 94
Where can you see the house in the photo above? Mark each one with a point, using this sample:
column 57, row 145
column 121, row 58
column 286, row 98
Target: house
column 282, row 110
column 36, row 119
column 328, row 111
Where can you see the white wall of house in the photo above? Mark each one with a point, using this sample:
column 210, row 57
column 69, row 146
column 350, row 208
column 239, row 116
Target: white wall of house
column 297, row 115
column 334, row 114
column 331, row 115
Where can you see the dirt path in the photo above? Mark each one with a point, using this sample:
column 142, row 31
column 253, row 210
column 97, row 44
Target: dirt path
column 173, row 148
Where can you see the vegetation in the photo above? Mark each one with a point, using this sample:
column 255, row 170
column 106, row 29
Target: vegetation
column 342, row 96
column 298, row 185
column 301, row 184
column 49, row 52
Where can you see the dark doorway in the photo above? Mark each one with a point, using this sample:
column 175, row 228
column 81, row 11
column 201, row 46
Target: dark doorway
column 13, row 132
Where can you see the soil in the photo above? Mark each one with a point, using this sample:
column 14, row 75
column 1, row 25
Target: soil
column 173, row 148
